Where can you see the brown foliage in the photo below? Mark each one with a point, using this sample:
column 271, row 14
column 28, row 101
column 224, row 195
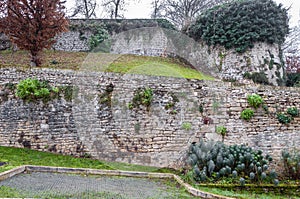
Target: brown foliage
column 32, row 24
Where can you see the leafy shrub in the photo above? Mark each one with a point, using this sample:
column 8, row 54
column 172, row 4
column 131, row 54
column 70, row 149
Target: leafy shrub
column 31, row 89
column 240, row 24
column 247, row 114
column 293, row 111
column 254, row 100
column 214, row 160
column 291, row 161
column 283, row 118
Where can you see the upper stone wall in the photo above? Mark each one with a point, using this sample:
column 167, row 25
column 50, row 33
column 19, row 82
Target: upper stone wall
column 217, row 61
column 147, row 37
column 100, row 122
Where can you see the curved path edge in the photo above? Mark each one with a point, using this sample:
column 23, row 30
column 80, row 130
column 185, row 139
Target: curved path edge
column 30, row 168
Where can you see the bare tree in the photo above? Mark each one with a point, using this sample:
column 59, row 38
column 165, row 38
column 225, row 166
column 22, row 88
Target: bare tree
column 85, row 8
column 183, row 12
column 113, row 7
column 157, row 6
column 291, row 45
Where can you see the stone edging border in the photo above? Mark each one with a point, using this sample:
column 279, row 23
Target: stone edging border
column 31, row 168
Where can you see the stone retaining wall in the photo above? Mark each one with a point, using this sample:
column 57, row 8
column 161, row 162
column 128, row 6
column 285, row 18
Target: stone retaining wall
column 99, row 120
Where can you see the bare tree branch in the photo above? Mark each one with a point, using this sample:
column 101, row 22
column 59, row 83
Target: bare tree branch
column 182, row 12
column 84, row 8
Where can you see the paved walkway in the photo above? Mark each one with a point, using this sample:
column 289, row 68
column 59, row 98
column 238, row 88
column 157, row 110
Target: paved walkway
column 57, row 185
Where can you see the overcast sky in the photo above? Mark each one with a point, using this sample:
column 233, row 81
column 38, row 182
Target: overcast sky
column 142, row 9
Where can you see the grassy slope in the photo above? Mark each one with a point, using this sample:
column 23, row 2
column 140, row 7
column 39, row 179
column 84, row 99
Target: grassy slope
column 156, row 66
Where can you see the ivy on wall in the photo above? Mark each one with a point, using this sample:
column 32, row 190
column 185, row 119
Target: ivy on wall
column 239, row 24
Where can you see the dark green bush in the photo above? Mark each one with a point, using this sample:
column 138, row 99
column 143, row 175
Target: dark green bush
column 31, row 89
column 240, row 24
column 214, row 160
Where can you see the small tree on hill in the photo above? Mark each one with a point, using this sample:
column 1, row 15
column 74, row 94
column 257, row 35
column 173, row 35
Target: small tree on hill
column 32, row 24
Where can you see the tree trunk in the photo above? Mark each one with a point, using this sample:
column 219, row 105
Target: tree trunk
column 86, row 9
column 117, row 8
column 35, row 59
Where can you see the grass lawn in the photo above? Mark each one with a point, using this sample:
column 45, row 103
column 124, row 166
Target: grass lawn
column 247, row 194
column 50, row 59
column 132, row 64
column 19, row 156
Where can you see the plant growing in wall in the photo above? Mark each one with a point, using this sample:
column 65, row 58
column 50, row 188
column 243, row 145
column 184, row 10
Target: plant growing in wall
column 293, row 111
column 207, row 120
column 32, row 89
column 105, row 97
column 221, row 130
column 283, row 118
column 142, row 96
column 186, row 126
column 254, row 100
column 247, row 114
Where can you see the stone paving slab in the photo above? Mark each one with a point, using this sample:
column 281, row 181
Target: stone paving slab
column 44, row 185
column 86, row 183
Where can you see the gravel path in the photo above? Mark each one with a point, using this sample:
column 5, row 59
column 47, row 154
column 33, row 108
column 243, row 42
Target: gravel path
column 56, row 185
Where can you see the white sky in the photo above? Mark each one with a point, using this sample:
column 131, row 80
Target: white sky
column 142, row 9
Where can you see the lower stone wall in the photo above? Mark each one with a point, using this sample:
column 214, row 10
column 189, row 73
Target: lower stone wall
column 101, row 122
